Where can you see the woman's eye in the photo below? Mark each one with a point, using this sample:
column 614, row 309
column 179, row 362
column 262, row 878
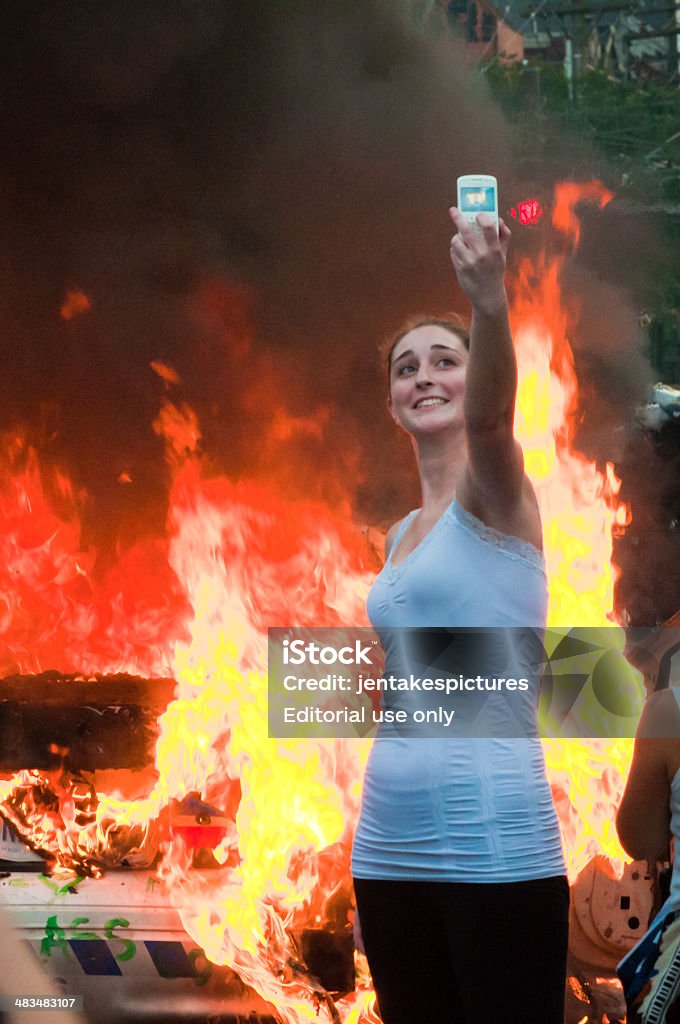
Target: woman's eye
column 446, row 362
column 404, row 369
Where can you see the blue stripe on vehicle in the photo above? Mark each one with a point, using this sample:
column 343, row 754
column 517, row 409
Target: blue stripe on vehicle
column 94, row 956
column 170, row 959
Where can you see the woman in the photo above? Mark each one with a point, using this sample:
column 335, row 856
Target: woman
column 647, row 820
column 457, row 859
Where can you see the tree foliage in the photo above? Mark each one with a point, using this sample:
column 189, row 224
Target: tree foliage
column 625, row 131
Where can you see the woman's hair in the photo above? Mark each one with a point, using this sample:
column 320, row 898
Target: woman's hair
column 451, row 322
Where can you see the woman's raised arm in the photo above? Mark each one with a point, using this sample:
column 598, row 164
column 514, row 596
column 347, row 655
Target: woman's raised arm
column 495, row 462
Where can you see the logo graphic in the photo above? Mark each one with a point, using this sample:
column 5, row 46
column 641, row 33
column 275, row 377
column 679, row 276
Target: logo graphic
column 297, row 652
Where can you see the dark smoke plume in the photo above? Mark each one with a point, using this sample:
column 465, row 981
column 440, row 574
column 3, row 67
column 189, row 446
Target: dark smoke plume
column 253, row 194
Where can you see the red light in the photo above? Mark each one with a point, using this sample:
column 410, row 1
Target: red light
column 529, row 211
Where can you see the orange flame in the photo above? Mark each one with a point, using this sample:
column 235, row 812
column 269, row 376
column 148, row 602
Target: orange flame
column 238, row 558
column 581, row 513
column 567, row 196
column 165, row 372
column 74, row 304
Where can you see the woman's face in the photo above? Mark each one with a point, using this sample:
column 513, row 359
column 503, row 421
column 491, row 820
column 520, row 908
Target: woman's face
column 427, row 380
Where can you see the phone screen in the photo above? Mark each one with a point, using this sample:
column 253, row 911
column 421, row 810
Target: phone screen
column 477, row 199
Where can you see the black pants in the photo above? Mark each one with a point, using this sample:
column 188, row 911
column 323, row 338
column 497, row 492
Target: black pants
column 466, row 954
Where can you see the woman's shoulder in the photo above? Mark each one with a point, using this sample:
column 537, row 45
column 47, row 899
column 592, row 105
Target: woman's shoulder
column 391, row 534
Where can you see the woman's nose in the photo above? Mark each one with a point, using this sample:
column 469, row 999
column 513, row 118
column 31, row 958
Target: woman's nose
column 423, row 377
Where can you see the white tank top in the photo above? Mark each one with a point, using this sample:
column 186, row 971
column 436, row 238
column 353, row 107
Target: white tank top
column 458, row 810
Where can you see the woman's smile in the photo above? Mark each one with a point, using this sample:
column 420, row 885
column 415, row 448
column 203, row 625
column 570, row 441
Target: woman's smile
column 430, row 402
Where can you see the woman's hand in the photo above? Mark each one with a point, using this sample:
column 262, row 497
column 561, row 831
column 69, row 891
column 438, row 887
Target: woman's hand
column 478, row 258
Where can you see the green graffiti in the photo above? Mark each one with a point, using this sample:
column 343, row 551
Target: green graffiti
column 75, row 924
column 201, row 975
column 129, row 947
column 65, row 888
column 54, row 936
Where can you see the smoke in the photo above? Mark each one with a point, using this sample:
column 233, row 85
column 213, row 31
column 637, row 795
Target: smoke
column 254, row 195
column 607, row 279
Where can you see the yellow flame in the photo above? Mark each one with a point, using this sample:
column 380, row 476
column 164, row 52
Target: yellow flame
column 299, row 798
column 580, row 513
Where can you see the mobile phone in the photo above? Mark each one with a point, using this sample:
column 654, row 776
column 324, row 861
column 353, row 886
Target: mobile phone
column 478, row 193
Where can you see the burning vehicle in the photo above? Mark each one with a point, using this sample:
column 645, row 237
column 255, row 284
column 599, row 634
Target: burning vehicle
column 164, row 857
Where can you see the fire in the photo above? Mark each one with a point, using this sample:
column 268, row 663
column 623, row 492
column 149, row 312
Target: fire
column 242, row 558
column 235, row 549
column 165, row 372
column 578, row 502
column 567, row 197
column 581, row 514
column 54, row 611
column 74, row 304
column 195, row 605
